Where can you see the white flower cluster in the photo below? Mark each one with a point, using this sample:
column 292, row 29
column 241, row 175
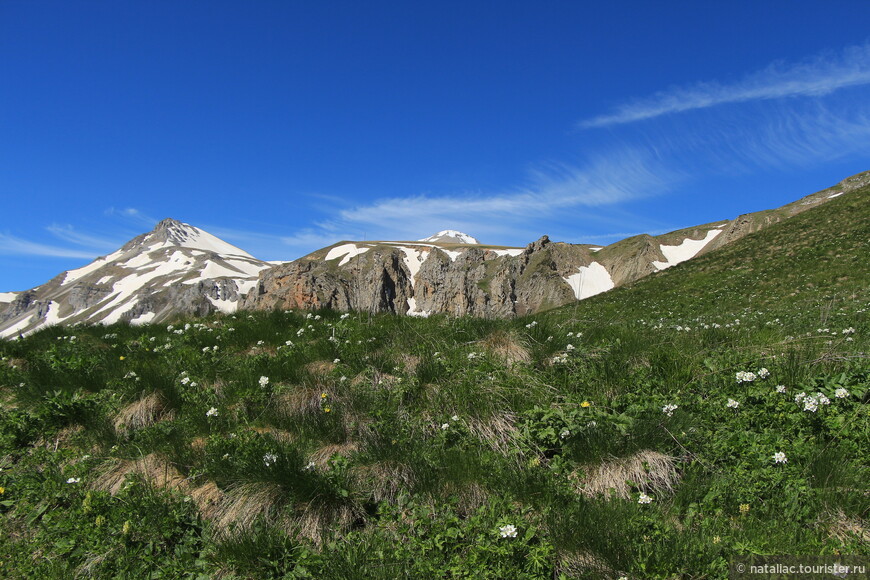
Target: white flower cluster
column 264, row 381
column 779, row 457
column 780, row 388
column 732, row 404
column 811, row 402
column 746, row 376
column 270, row 459
column 213, row 412
column 532, row 324
column 508, row 531
column 644, row 498
column 841, row 393
column 669, row 409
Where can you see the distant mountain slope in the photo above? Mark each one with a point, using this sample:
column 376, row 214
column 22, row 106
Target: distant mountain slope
column 447, row 274
column 179, row 269
column 174, row 269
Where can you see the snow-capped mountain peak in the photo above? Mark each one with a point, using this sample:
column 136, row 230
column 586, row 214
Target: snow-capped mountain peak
column 174, row 269
column 451, row 237
column 170, row 232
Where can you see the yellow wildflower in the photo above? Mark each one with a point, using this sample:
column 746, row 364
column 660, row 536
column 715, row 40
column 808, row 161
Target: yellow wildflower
column 585, row 404
column 121, row 357
column 323, row 395
column 744, row 508
column 326, row 409
column 2, row 490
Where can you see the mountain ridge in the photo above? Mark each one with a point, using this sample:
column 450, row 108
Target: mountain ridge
column 178, row 269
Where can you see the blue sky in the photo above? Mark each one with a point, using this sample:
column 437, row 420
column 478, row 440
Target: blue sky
column 283, row 126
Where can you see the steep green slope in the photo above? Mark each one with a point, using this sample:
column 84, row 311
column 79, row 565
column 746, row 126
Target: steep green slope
column 711, row 412
column 800, row 267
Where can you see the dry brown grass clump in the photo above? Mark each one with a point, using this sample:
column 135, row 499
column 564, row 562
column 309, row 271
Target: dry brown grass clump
column 238, row 509
column 577, row 564
column 317, row 518
column 845, row 529
column 142, row 413
column 299, row 401
column 649, row 471
column 207, row 498
column 497, row 431
column 155, row 470
column 384, row 480
column 321, row 456
column 507, row 347
column 320, row 368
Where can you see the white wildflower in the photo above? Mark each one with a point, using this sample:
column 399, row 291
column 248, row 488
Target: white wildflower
column 213, row 412
column 669, row 409
column 264, row 381
column 841, row 393
column 780, row 388
column 508, row 531
column 779, row 457
column 644, row 498
column 270, row 459
column 73, row 480
column 733, row 404
column 763, row 373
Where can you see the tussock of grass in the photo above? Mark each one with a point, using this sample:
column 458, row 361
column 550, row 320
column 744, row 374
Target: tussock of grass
column 142, row 413
column 507, row 347
column 155, row 470
column 648, row 471
column 241, row 506
column 384, row 480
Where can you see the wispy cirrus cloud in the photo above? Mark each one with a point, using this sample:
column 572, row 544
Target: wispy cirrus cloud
column 131, row 214
column 68, row 233
column 12, row 245
column 814, row 77
column 607, row 180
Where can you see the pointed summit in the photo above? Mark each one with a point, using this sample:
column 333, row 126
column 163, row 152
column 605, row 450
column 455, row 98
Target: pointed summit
column 170, row 232
column 451, row 237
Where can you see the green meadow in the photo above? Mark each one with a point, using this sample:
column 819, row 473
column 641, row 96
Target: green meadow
column 715, row 410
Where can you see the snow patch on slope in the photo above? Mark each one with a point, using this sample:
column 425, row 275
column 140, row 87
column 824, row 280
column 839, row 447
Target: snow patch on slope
column 346, row 250
column 6, row 297
column 686, row 250
column 590, row 280
column 413, row 311
column 511, row 252
column 413, row 260
column 74, row 275
column 14, row 329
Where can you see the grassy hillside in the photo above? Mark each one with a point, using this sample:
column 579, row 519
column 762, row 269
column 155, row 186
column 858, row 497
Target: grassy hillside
column 715, row 410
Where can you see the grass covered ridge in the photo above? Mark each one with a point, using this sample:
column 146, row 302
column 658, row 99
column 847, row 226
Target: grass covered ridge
column 719, row 408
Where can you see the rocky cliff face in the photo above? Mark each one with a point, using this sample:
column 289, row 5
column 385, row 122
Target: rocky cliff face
column 424, row 280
